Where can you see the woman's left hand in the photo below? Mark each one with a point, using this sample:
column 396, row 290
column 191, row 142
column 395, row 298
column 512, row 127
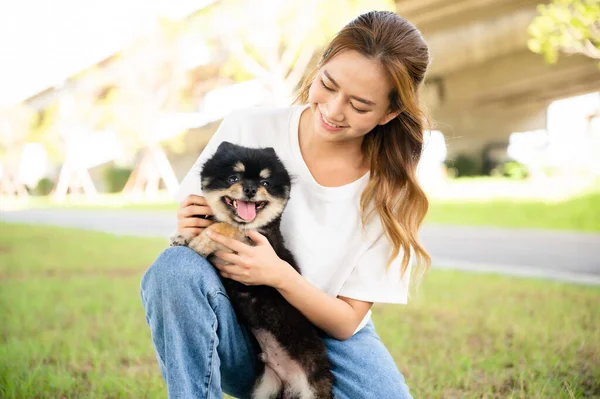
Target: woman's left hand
column 250, row 265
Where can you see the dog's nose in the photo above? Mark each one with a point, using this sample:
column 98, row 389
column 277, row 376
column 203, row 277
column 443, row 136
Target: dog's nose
column 250, row 191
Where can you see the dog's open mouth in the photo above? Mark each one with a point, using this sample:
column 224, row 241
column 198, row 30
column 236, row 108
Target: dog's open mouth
column 245, row 209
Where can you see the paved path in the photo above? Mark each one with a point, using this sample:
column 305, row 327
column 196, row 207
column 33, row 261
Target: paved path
column 550, row 254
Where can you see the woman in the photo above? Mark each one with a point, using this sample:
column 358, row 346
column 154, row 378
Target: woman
column 352, row 222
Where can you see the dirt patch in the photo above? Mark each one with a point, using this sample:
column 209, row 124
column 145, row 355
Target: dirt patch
column 588, row 365
column 509, row 385
column 144, row 365
column 452, row 393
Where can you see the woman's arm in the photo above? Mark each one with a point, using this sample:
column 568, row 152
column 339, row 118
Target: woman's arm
column 260, row 265
column 339, row 317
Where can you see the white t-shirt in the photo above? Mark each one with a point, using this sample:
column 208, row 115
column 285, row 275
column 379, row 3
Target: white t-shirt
column 321, row 225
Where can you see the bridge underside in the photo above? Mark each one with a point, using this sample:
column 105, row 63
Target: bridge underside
column 483, row 82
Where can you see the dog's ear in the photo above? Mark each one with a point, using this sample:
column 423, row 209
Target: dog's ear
column 226, row 146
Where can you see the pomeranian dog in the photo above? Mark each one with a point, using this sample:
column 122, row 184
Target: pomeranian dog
column 248, row 189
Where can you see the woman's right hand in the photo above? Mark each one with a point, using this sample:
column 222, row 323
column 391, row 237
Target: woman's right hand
column 191, row 215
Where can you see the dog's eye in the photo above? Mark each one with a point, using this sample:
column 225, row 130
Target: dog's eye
column 234, row 179
column 265, row 183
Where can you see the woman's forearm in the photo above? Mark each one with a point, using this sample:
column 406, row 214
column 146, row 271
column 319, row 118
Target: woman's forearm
column 333, row 315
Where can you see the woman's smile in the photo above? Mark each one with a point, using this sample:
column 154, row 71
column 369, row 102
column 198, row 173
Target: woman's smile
column 330, row 126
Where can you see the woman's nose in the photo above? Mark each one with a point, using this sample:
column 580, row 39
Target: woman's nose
column 335, row 112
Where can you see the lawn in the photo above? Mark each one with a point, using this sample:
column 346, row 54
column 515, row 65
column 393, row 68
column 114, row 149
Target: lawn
column 581, row 213
column 482, row 201
column 72, row 326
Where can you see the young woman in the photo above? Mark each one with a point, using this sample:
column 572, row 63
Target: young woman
column 352, row 221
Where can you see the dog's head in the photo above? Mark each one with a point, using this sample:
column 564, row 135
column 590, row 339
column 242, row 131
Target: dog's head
column 246, row 187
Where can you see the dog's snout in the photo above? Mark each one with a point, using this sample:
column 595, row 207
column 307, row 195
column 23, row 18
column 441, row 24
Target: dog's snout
column 250, row 191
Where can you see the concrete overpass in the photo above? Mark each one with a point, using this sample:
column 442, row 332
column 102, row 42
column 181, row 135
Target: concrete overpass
column 484, row 83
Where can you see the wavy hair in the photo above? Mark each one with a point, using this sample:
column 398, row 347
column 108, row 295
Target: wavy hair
column 393, row 149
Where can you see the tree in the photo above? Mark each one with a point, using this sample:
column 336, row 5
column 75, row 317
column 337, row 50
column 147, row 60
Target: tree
column 149, row 80
column 15, row 125
column 79, row 112
column 274, row 42
column 569, row 26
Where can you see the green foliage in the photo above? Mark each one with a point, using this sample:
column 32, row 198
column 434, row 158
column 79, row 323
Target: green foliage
column 44, row 186
column 148, row 81
column 570, row 26
column 16, row 122
column 45, row 130
column 465, row 165
column 514, row 170
column 275, row 41
column 115, row 178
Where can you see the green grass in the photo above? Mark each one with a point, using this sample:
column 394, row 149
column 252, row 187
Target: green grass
column 163, row 202
column 71, row 323
column 581, row 213
column 480, row 201
column 72, row 326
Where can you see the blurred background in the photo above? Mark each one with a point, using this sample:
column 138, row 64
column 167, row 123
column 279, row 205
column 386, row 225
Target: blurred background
column 104, row 106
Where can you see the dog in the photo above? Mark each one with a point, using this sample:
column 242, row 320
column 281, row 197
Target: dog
column 248, row 189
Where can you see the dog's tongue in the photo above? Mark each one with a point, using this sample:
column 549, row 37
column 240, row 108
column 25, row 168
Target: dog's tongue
column 246, row 210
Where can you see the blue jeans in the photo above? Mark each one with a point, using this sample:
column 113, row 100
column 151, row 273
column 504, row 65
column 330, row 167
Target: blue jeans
column 202, row 351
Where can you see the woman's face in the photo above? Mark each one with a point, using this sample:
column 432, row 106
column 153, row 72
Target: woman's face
column 349, row 97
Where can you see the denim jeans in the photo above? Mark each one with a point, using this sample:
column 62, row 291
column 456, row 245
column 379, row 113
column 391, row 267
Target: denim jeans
column 202, row 351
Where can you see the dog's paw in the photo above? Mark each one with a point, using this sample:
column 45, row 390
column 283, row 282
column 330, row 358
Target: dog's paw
column 178, row 240
column 202, row 245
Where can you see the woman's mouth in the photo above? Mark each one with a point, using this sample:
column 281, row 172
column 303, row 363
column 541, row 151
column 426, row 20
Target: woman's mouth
column 246, row 210
column 332, row 127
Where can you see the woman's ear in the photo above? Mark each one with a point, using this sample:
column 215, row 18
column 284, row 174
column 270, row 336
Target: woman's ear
column 388, row 117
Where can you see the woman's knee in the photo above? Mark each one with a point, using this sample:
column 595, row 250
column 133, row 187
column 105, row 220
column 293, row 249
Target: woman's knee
column 176, row 269
column 364, row 368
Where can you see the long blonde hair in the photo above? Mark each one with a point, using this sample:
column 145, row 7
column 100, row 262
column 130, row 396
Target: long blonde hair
column 393, row 149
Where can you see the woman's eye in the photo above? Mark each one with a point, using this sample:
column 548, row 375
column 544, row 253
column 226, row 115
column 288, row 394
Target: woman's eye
column 265, row 183
column 233, row 179
column 360, row 111
column 325, row 86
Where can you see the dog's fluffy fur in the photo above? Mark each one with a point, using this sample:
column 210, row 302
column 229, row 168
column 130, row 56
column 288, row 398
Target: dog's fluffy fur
column 248, row 189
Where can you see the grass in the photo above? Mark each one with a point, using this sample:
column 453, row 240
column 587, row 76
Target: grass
column 481, row 201
column 102, row 201
column 72, row 326
column 71, row 323
column 563, row 202
column 580, row 213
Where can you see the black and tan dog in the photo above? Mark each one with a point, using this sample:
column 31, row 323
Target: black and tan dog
column 247, row 189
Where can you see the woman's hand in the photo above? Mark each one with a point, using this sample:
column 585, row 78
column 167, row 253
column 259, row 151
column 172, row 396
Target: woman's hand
column 191, row 216
column 251, row 265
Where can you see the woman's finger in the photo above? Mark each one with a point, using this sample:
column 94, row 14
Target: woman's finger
column 227, row 256
column 232, row 270
column 193, row 199
column 218, row 263
column 196, row 210
column 195, row 222
column 224, row 274
column 229, row 242
column 194, row 231
column 256, row 237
